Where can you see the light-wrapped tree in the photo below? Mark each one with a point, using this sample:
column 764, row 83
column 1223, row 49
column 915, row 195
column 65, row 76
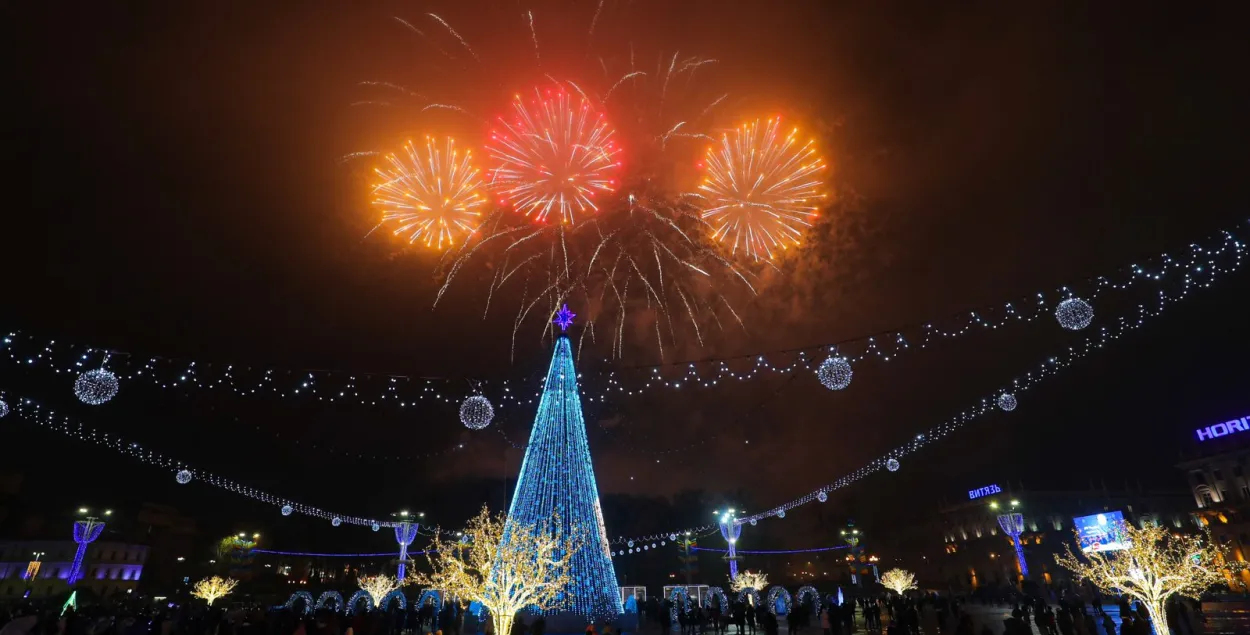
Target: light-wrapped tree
column 505, row 567
column 899, row 581
column 749, row 580
column 214, row 588
column 378, row 586
column 1154, row 565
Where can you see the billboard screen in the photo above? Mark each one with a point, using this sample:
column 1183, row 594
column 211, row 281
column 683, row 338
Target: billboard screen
column 1100, row 532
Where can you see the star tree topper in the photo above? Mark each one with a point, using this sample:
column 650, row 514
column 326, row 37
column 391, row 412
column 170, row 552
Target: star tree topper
column 564, row 318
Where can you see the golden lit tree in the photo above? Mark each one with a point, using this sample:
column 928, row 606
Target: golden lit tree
column 899, row 581
column 1155, row 565
column 210, row 589
column 378, row 586
column 749, row 580
column 526, row 567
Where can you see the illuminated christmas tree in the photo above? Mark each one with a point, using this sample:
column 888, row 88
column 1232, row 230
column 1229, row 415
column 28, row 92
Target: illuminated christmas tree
column 558, row 481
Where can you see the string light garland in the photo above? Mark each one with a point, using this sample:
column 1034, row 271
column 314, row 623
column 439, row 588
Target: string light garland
column 183, row 477
column 835, row 373
column 96, row 387
column 404, row 391
column 476, row 412
column 1074, row 314
column 1007, row 402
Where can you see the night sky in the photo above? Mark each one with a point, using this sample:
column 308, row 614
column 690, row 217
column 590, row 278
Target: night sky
column 175, row 189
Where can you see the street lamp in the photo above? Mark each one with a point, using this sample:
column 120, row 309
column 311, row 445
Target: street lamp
column 730, row 530
column 405, row 533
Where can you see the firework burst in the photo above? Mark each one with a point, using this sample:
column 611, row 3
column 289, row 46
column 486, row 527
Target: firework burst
column 553, row 158
column 433, row 197
column 762, row 189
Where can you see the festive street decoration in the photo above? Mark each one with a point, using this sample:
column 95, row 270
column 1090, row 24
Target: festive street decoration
column 375, row 527
column 1155, row 565
column 213, row 588
column 4, row 409
column 835, row 373
column 525, row 566
column 332, row 600
column 748, row 580
column 558, row 480
column 730, row 530
column 476, row 412
column 680, row 599
column 822, row 496
column 96, row 387
column 379, row 586
column 564, row 318
column 899, row 581
column 287, row 510
column 809, row 594
column 779, row 592
column 85, row 533
column 298, row 596
column 405, row 533
column 1007, row 402
column 336, row 521
column 1074, row 314
column 396, row 596
column 1013, row 526
column 892, row 465
column 358, row 597
column 183, row 477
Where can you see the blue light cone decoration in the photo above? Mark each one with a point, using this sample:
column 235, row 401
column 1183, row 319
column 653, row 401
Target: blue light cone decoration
column 557, row 477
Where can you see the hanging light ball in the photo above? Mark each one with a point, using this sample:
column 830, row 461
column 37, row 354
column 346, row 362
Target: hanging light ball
column 629, row 544
column 781, row 514
column 183, row 477
column 834, row 373
column 753, row 522
column 287, row 509
column 375, row 526
column 1074, row 314
column 4, row 409
column 336, row 521
column 892, row 465
column 645, row 547
column 672, row 536
column 822, row 496
column 1007, row 401
column 95, row 387
column 476, row 412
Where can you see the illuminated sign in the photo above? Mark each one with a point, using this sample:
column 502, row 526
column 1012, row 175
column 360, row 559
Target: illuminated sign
column 1101, row 532
column 1224, row 429
column 984, row 491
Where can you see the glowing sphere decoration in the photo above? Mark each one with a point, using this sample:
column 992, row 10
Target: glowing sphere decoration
column 672, row 536
column 781, row 514
column 629, row 544
column 336, row 521
column 375, row 526
column 892, row 465
column 1007, row 401
column 551, row 157
column 287, row 510
column 1074, row 314
column 476, row 412
column 4, row 409
column 822, row 496
column 835, row 373
column 762, row 188
column 753, row 522
column 96, row 387
column 433, row 197
column 183, row 477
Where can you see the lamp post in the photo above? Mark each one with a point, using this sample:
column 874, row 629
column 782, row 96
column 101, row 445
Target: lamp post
column 85, row 532
column 405, row 532
column 730, row 529
column 851, row 536
column 1013, row 525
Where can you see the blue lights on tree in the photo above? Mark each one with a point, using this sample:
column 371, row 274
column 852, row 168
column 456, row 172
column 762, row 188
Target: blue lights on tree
column 557, row 478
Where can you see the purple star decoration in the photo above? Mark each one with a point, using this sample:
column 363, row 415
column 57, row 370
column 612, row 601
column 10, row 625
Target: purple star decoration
column 564, row 318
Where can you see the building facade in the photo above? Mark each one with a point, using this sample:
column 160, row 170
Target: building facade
column 40, row 568
column 1216, row 470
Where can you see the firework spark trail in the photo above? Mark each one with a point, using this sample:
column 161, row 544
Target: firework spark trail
column 553, row 158
column 457, row 35
column 352, row 156
column 370, row 103
column 423, row 37
column 433, row 197
column 392, row 86
column 447, row 107
column 621, row 81
column 464, row 258
column 697, row 334
column 664, row 88
column 534, row 36
column 762, row 189
column 593, row 21
column 665, row 136
column 712, row 105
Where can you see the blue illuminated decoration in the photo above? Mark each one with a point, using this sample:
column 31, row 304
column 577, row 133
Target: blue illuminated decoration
column 717, row 595
column 1224, row 429
column 984, row 491
column 380, row 554
column 332, row 600
column 558, row 479
column 1013, row 526
column 398, row 596
column 775, row 593
column 730, row 530
column 679, row 594
column 431, row 597
column 356, row 598
column 809, row 592
column 300, row 595
column 85, row 533
column 749, row 593
column 405, row 533
column 564, row 318
column 766, row 551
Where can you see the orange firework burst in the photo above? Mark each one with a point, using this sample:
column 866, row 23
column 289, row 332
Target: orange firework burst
column 432, row 197
column 553, row 157
column 762, row 189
